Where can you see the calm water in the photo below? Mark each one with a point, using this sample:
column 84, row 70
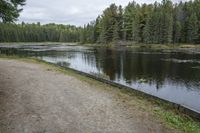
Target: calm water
column 170, row 75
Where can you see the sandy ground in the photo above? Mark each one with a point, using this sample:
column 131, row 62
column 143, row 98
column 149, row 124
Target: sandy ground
column 37, row 99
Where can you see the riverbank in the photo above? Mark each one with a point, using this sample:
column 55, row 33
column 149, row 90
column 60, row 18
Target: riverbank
column 38, row 43
column 149, row 46
column 160, row 115
column 128, row 45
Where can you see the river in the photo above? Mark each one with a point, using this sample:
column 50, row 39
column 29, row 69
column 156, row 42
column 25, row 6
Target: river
column 173, row 75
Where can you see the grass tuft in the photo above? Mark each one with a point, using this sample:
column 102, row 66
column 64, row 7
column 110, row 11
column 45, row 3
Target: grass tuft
column 178, row 121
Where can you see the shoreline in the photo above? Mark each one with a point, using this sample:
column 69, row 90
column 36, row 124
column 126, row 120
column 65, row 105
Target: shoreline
column 194, row 114
column 38, row 43
column 127, row 45
column 150, row 46
column 187, row 48
column 163, row 110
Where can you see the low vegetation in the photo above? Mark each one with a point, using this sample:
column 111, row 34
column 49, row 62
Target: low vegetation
column 164, row 46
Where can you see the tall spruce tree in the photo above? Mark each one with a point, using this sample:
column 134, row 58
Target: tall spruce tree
column 192, row 29
column 116, row 32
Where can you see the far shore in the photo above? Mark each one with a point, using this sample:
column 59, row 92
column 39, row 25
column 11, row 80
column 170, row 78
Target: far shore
column 38, row 43
column 149, row 46
column 127, row 44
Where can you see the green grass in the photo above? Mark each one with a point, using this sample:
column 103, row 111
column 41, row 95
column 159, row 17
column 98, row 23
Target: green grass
column 37, row 43
column 161, row 110
column 164, row 46
column 112, row 44
column 178, row 121
column 149, row 46
column 165, row 112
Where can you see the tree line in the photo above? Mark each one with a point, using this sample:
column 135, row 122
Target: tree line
column 158, row 23
column 10, row 32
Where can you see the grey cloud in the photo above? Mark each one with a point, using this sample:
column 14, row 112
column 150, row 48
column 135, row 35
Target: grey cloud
column 77, row 12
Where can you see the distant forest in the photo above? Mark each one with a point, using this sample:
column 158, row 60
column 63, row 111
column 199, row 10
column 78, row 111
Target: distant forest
column 10, row 32
column 158, row 23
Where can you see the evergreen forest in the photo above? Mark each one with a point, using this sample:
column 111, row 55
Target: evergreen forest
column 158, row 23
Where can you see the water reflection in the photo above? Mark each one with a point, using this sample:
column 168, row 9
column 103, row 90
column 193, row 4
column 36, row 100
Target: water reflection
column 171, row 75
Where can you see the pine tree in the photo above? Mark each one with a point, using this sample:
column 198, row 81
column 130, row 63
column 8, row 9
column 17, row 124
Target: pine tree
column 177, row 32
column 116, row 35
column 147, row 32
column 129, row 15
column 9, row 9
column 61, row 37
column 167, row 22
column 192, row 29
column 102, row 37
column 120, row 22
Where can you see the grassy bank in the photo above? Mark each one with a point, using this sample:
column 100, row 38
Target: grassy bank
column 110, row 45
column 38, row 43
column 164, row 112
column 149, row 46
column 164, row 46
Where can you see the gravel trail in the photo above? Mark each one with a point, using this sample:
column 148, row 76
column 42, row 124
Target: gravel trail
column 35, row 98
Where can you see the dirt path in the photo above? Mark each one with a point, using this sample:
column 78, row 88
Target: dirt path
column 35, row 98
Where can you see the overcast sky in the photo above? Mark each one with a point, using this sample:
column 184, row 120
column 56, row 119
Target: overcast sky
column 75, row 12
